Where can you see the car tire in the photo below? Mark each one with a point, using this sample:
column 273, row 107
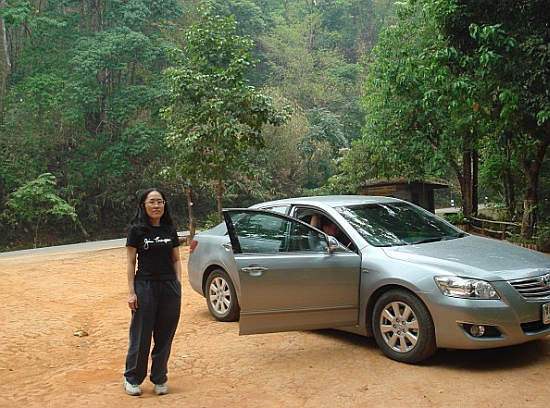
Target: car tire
column 221, row 296
column 402, row 327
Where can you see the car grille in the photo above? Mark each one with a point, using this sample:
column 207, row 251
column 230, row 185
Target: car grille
column 533, row 287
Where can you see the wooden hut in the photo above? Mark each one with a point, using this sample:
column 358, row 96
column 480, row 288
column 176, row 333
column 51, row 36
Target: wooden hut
column 417, row 192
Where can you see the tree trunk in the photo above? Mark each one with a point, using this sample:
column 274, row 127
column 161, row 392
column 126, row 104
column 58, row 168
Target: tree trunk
column 529, row 213
column 475, row 171
column 187, row 189
column 4, row 60
column 530, row 199
column 310, row 25
column 219, row 197
column 466, row 173
column 82, row 229
column 509, row 194
column 466, row 184
column 509, row 189
column 96, row 15
column 35, row 240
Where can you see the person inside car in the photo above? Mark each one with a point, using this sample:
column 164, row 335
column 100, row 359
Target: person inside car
column 330, row 228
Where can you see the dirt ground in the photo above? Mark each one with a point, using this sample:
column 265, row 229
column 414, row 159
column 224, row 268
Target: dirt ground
column 46, row 298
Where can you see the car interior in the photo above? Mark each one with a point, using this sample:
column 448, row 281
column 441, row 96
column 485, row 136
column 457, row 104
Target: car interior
column 313, row 217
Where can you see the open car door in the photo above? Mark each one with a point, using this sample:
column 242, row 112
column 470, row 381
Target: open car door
column 290, row 279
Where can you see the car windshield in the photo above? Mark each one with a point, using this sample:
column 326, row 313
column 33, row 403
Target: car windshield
column 391, row 224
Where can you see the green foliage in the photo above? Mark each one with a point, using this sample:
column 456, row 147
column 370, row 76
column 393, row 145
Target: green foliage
column 419, row 111
column 15, row 12
column 525, row 242
column 449, row 78
column 508, row 44
column 83, row 100
column 457, row 219
column 84, row 90
column 214, row 117
column 320, row 146
column 326, row 127
column 248, row 15
column 278, row 170
column 37, row 202
column 211, row 221
column 543, row 237
column 312, row 56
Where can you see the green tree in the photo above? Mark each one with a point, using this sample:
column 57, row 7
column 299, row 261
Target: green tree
column 509, row 42
column 214, row 117
column 81, row 91
column 83, row 97
column 247, row 14
column 421, row 114
column 36, row 203
column 281, row 163
column 320, row 146
column 501, row 172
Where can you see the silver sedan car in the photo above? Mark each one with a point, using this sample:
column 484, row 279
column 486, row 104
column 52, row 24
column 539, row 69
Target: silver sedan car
column 376, row 266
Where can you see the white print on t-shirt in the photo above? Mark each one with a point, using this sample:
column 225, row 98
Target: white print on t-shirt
column 157, row 240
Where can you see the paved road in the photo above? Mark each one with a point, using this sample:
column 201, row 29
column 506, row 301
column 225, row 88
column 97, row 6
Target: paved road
column 455, row 210
column 80, row 247
column 449, row 210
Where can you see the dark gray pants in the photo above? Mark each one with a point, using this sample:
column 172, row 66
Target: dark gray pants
column 158, row 313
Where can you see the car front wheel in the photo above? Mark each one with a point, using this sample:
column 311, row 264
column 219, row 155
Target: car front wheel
column 403, row 327
column 221, row 297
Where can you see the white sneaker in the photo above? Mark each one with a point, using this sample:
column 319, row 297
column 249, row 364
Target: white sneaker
column 131, row 389
column 161, row 389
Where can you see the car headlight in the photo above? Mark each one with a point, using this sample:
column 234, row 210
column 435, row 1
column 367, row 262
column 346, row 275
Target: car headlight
column 466, row 288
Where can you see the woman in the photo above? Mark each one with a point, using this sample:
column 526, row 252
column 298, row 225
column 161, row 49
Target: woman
column 154, row 291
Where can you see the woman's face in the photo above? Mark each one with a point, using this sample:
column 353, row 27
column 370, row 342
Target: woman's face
column 154, row 207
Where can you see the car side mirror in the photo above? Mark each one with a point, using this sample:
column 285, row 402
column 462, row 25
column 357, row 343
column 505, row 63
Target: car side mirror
column 333, row 244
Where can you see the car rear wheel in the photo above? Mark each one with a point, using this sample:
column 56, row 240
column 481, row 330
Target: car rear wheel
column 221, row 297
column 403, row 327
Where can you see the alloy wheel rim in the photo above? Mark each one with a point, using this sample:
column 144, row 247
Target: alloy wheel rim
column 399, row 327
column 220, row 295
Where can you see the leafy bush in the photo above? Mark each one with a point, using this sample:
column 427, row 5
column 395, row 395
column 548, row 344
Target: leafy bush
column 211, row 220
column 457, row 219
column 543, row 237
column 36, row 203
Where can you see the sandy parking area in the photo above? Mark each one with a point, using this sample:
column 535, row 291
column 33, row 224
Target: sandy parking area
column 46, row 298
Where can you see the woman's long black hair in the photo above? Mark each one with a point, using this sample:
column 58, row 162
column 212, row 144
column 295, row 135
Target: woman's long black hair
column 141, row 219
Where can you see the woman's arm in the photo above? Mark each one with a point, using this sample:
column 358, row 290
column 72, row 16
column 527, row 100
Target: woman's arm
column 315, row 221
column 177, row 262
column 131, row 273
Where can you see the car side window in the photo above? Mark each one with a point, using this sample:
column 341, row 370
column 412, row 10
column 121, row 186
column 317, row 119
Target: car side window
column 304, row 214
column 303, row 238
column 320, row 221
column 260, row 233
column 269, row 233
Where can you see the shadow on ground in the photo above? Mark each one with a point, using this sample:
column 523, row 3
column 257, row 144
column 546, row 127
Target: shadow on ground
column 477, row 360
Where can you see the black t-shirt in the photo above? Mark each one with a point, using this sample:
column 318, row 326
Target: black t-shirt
column 154, row 251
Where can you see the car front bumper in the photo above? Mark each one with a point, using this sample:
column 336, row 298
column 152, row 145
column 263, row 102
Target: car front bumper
column 508, row 321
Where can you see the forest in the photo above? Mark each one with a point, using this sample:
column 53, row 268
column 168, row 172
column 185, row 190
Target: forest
column 229, row 103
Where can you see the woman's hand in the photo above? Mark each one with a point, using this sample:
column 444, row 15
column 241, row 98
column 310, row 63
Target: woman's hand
column 132, row 301
column 131, row 254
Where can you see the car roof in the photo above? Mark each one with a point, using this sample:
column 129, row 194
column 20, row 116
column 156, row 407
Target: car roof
column 330, row 200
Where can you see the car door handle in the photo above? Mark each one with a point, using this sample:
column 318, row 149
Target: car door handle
column 227, row 245
column 254, row 270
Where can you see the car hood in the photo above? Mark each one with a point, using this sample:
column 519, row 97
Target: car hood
column 474, row 257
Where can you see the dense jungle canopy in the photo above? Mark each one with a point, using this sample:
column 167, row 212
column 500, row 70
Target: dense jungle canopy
column 239, row 101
